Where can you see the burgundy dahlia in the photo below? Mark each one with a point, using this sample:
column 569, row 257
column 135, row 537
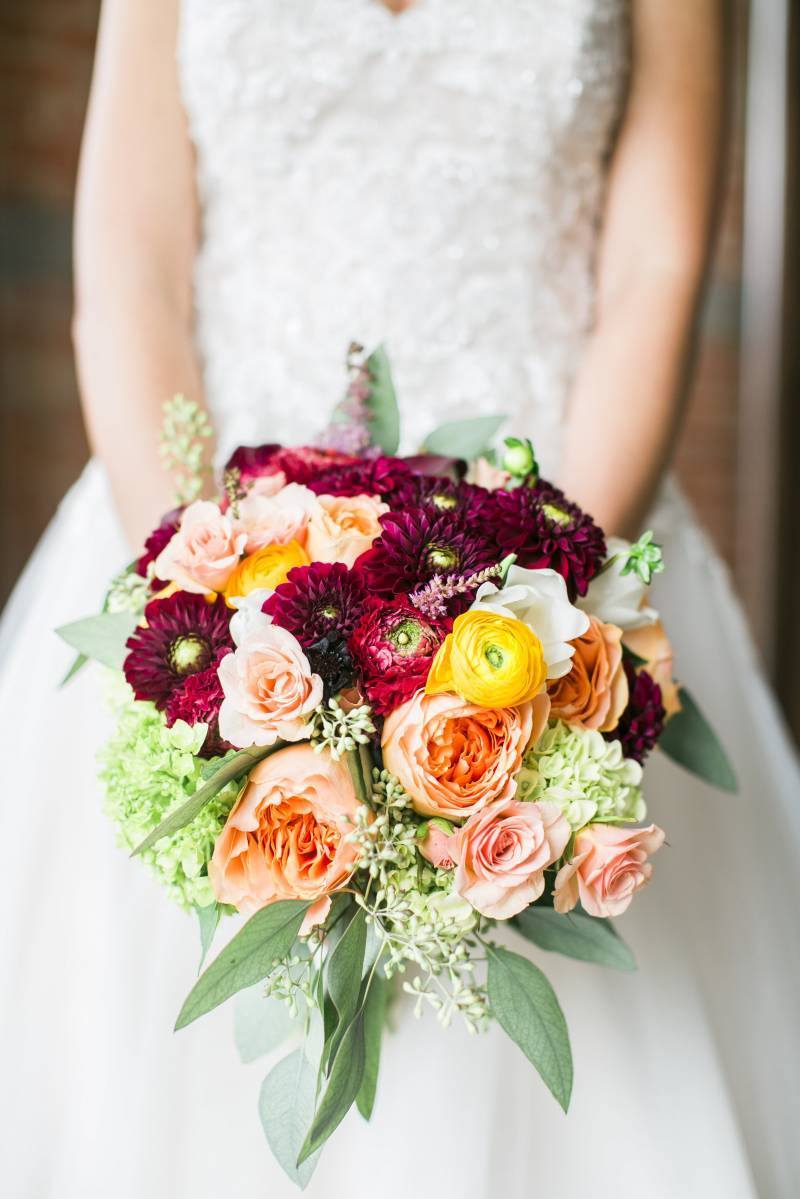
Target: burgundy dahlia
column 416, row 545
column 199, row 699
column 300, row 464
column 184, row 635
column 392, row 647
column 315, row 600
column 387, row 477
column 642, row 722
column 156, row 542
column 544, row 529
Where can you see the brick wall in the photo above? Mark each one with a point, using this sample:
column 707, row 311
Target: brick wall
column 45, row 64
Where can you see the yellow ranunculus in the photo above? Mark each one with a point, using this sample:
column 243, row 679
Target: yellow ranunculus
column 492, row 660
column 267, row 567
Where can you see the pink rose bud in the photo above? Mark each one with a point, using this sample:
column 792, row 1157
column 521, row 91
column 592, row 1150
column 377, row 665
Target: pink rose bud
column 433, row 842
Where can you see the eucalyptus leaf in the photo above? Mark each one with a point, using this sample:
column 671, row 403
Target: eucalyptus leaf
column 575, row 935
column 246, row 959
column 525, row 1006
column 347, row 1073
column 344, row 967
column 690, row 741
column 374, row 1020
column 464, row 438
column 101, row 637
column 208, row 919
column 230, row 768
column 384, row 419
column 261, row 1023
column 286, row 1107
column 77, row 665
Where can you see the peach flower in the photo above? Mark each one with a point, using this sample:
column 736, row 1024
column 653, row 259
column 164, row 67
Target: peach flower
column 287, row 836
column 270, row 690
column 595, row 692
column 267, row 484
column 483, row 473
column 651, row 643
column 609, row 865
column 343, row 526
column 433, row 842
column 275, row 519
column 502, row 853
column 453, row 757
column 203, row 553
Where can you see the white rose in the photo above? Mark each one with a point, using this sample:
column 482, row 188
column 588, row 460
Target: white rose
column 539, row 599
column 616, row 598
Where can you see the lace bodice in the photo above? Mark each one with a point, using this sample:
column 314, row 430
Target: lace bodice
column 432, row 180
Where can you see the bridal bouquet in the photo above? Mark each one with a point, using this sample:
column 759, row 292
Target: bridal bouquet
column 382, row 707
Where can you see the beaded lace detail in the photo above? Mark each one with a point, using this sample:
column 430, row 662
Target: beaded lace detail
column 431, row 179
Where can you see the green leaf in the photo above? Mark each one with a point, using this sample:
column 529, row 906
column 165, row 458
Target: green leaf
column 286, row 1107
column 464, row 438
column 384, row 422
column 261, row 1023
column 345, row 966
column 347, row 1073
column 250, row 956
column 525, row 1006
column 101, row 637
column 76, row 666
column 208, row 919
column 690, row 741
column 576, row 935
column 229, row 769
column 374, row 1019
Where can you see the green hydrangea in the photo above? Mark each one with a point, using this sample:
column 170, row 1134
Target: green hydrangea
column 588, row 777
column 149, row 769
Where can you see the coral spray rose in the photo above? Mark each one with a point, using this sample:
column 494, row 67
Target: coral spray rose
column 608, row 866
column 288, row 835
column 267, row 568
column 595, row 692
column 275, row 519
column 202, row 554
column 270, row 689
column 453, row 757
column 342, row 527
column 502, row 853
column 489, row 659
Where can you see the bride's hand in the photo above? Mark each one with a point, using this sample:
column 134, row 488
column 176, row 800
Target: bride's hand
column 654, row 250
column 135, row 242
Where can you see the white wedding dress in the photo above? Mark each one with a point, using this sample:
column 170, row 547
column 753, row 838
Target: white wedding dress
column 433, row 180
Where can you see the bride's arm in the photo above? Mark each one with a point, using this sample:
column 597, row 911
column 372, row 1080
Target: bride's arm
column 662, row 197
column 135, row 239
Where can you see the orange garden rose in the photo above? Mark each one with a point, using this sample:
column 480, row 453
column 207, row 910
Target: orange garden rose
column 652, row 644
column 287, row 836
column 267, row 567
column 342, row 527
column 453, row 757
column 489, row 659
column 595, row 692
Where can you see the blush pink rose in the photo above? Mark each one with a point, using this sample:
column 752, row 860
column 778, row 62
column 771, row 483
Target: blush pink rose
column 343, row 526
column 275, row 519
column 202, row 554
column 502, row 853
column 287, row 836
column 608, row 866
column 269, row 687
column 434, row 845
column 453, row 757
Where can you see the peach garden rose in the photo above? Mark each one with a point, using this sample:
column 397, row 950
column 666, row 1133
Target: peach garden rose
column 608, row 866
column 453, row 757
column 502, row 853
column 287, row 836
column 275, row 519
column 595, row 692
column 342, row 527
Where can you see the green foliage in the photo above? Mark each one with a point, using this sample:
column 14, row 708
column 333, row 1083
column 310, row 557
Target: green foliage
column 467, row 439
column 374, row 1021
column 347, row 1073
column 286, row 1107
column 101, row 637
column 525, row 1006
column 575, row 935
column 690, row 741
column 384, row 419
column 250, row 956
column 261, row 1023
column 185, row 432
column 208, row 919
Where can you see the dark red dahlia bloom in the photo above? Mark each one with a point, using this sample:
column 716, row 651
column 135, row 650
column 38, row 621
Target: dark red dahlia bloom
column 199, row 699
column 416, row 545
column 642, row 722
column 184, row 635
column 544, row 529
column 392, row 647
column 387, row 477
column 300, row 464
column 156, row 542
column 317, row 600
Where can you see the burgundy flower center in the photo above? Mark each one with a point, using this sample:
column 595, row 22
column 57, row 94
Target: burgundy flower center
column 189, row 654
column 444, row 502
column 329, row 611
column 442, row 557
column 556, row 514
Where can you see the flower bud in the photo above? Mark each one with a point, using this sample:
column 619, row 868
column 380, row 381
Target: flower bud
column 433, row 842
column 519, row 459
